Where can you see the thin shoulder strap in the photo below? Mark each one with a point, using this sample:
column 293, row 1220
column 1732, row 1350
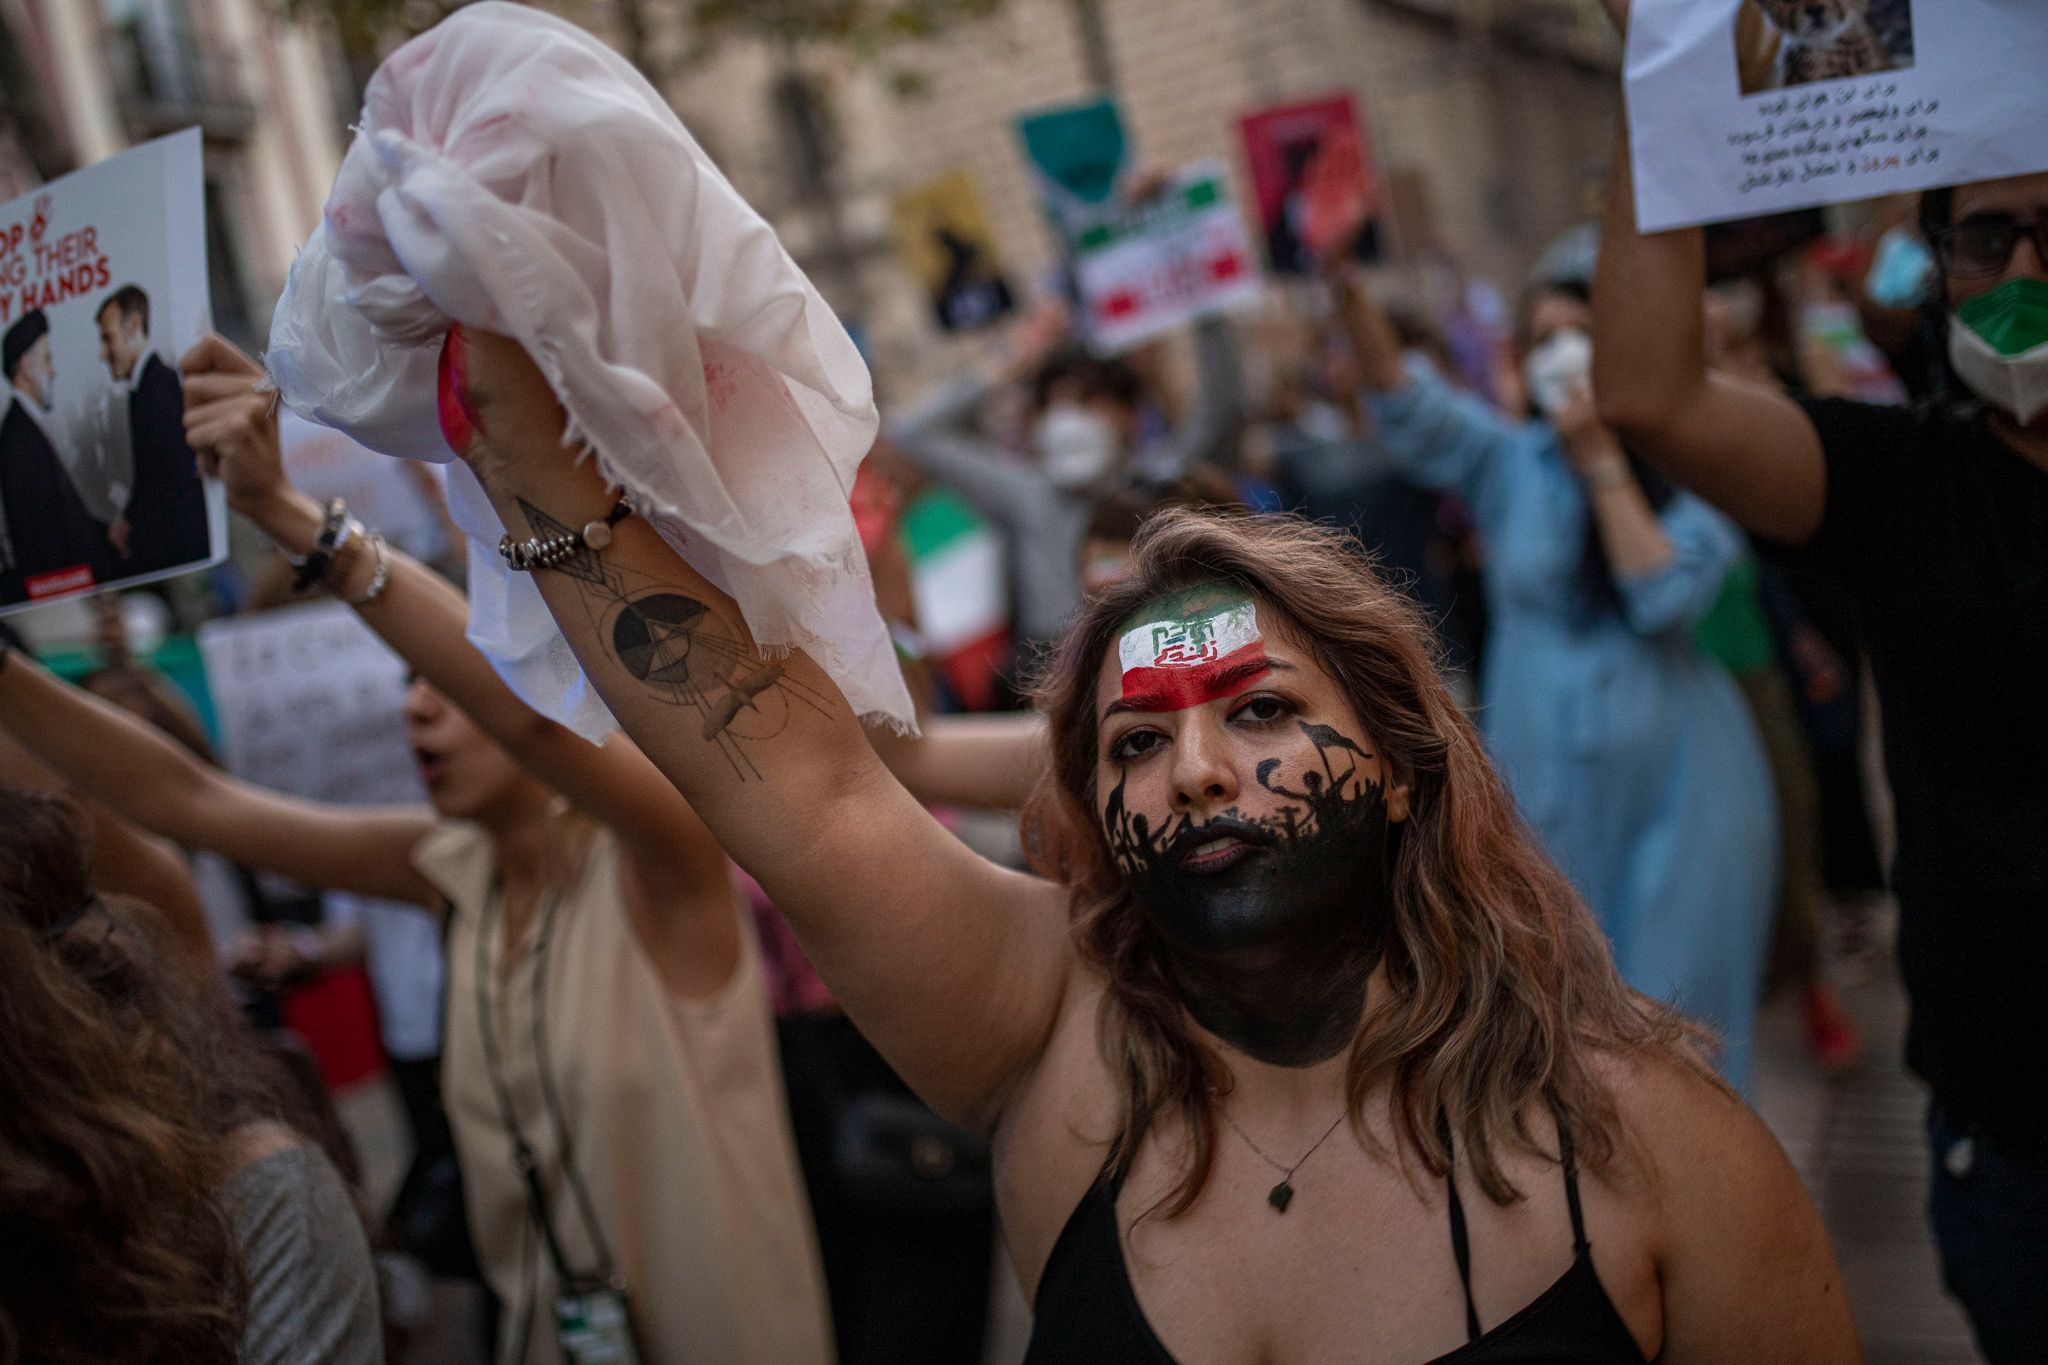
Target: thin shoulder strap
column 1461, row 1243
column 1580, row 1246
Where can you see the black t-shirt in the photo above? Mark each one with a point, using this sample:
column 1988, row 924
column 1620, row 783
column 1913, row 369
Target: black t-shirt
column 1941, row 531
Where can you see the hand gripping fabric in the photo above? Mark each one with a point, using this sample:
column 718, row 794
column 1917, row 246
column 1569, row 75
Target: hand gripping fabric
column 511, row 173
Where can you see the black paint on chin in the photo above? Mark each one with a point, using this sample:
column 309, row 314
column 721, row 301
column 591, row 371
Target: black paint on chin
column 1272, row 953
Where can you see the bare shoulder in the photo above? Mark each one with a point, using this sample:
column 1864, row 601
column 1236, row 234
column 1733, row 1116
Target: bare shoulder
column 1055, row 1130
column 1685, row 1137
column 1676, row 1115
column 1744, row 1261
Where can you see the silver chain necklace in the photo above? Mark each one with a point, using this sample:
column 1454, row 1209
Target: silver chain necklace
column 1282, row 1194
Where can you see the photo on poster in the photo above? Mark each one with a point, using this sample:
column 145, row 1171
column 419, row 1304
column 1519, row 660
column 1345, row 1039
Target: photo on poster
column 1780, row 44
column 944, row 238
column 1313, row 181
column 102, row 288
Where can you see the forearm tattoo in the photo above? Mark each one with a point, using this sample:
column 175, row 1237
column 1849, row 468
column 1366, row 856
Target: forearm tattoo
column 681, row 653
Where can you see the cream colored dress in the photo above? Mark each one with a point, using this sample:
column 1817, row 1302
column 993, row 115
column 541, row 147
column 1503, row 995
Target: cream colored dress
column 674, row 1111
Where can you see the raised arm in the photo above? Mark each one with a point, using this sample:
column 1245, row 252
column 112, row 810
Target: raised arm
column 677, row 865
column 935, row 435
column 953, row 967
column 152, row 781
column 990, row 762
column 1748, row 450
column 1210, row 431
column 1436, row 435
column 1667, row 565
column 126, row 861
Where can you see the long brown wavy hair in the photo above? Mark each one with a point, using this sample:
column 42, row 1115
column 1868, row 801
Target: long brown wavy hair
column 118, row 1248
column 1500, row 990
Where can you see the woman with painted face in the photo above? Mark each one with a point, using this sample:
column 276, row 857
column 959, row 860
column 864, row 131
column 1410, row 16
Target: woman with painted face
column 1631, row 754
column 609, row 1070
column 1935, row 516
column 1297, row 1050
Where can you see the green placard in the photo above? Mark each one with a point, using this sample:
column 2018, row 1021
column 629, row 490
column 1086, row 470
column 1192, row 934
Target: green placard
column 1079, row 149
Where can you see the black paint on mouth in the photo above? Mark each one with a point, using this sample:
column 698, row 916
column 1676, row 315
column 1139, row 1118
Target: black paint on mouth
column 1270, row 948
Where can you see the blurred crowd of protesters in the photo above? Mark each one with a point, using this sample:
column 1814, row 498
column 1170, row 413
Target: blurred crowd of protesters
column 1677, row 704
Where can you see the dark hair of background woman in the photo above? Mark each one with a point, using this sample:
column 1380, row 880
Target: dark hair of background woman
column 117, row 1247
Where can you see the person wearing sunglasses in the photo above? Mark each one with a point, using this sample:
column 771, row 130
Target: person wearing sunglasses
column 1936, row 516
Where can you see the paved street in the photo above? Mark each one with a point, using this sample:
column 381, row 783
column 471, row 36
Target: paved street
column 1857, row 1141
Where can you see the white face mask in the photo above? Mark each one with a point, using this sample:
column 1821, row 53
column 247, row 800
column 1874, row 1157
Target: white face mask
column 1559, row 368
column 2016, row 383
column 1075, row 446
column 1322, row 421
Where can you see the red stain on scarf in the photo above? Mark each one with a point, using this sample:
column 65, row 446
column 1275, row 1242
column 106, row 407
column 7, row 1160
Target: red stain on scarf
column 459, row 424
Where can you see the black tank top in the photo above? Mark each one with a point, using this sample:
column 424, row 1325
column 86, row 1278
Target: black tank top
column 1088, row 1314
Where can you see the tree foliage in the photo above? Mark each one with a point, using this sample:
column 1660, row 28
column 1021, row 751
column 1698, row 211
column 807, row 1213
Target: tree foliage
column 866, row 29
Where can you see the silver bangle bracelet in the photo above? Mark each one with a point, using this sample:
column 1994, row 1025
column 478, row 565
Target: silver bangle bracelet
column 380, row 577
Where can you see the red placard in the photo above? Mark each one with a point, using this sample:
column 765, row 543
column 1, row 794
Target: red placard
column 1313, row 180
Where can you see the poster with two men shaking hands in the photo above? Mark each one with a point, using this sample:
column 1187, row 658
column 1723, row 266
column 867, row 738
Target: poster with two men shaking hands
column 102, row 288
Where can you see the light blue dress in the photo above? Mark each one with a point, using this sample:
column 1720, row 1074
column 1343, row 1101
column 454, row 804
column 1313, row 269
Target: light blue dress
column 1630, row 753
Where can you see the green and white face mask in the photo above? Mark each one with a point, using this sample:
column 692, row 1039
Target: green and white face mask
column 1998, row 343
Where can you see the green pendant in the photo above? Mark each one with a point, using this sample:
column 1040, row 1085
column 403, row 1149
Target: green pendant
column 1280, row 1196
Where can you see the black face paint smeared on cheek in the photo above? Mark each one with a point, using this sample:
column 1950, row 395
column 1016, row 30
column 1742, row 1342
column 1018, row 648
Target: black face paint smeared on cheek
column 1270, row 925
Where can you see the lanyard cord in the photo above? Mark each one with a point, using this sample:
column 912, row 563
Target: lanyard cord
column 522, row 1152
column 607, row 1269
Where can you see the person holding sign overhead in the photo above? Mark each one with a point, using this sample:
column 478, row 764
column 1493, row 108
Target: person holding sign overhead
column 1936, row 516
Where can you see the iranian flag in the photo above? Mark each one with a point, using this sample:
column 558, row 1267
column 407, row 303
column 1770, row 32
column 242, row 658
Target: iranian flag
column 957, row 579
column 1179, row 661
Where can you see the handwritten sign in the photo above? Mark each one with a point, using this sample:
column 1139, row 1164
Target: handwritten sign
column 1734, row 113
column 1184, row 254
column 309, row 702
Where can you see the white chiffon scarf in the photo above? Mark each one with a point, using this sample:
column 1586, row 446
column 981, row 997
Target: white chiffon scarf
column 513, row 174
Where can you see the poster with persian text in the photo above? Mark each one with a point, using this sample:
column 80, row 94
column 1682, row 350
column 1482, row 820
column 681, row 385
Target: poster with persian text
column 102, row 289
column 1739, row 108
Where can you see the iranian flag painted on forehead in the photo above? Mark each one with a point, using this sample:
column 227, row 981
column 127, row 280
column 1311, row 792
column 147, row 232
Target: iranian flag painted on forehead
column 1177, row 659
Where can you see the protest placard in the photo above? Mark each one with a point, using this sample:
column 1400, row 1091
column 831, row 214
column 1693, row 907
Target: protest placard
column 309, row 701
column 102, row 288
column 1183, row 254
column 1079, row 156
column 944, row 238
column 1312, row 180
column 1739, row 108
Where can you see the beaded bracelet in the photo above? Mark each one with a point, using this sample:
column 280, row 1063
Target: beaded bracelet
column 547, row 552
